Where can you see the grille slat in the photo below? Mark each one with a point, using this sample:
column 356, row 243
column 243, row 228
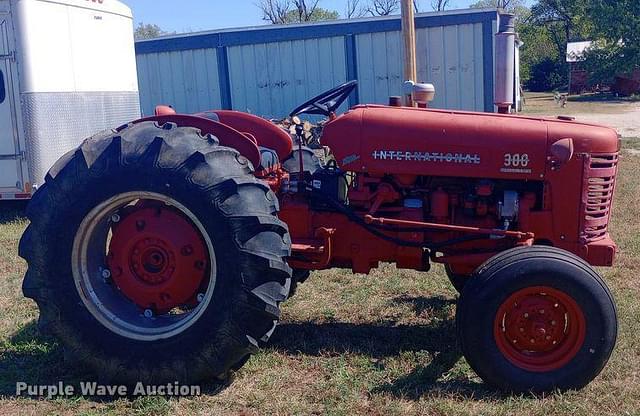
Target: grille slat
column 600, row 179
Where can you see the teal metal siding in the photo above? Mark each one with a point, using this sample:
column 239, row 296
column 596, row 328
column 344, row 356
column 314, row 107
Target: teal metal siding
column 270, row 70
column 268, row 79
column 187, row 80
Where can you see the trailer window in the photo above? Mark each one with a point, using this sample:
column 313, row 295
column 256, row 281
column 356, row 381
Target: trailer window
column 2, row 89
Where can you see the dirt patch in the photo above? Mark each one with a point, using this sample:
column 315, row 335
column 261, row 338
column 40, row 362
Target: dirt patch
column 624, row 116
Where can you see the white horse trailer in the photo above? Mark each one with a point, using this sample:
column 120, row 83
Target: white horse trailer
column 67, row 71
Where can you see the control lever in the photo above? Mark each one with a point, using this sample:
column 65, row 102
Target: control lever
column 300, row 136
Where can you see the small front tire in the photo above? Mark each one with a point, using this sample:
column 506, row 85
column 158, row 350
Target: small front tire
column 536, row 319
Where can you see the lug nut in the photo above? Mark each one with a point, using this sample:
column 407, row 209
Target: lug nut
column 526, row 315
column 553, row 322
column 115, row 218
column 148, row 313
column 106, row 273
column 140, row 225
column 542, row 311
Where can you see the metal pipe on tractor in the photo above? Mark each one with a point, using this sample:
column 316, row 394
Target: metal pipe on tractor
column 505, row 63
column 178, row 237
column 415, row 94
column 410, row 70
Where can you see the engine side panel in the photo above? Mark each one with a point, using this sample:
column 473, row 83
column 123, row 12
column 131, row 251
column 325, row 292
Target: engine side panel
column 420, row 142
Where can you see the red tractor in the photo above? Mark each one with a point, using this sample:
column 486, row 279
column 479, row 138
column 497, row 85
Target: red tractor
column 162, row 250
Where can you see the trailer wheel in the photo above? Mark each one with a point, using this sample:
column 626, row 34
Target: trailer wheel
column 156, row 256
column 536, row 319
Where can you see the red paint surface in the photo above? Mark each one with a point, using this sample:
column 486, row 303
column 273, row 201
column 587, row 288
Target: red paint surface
column 471, row 159
column 157, row 258
column 539, row 329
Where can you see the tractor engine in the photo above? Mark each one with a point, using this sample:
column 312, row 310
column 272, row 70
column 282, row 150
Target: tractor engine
column 395, row 209
column 413, row 187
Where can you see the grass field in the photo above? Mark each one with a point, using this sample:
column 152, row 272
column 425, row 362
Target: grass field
column 382, row 344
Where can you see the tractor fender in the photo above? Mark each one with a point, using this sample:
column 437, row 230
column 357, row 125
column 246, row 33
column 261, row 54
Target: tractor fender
column 266, row 133
column 227, row 135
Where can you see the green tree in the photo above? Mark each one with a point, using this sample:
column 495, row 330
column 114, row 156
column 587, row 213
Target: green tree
column 616, row 30
column 565, row 20
column 280, row 12
column 318, row 15
column 517, row 7
column 148, row 31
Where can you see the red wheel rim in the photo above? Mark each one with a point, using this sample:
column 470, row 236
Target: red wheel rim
column 157, row 258
column 539, row 328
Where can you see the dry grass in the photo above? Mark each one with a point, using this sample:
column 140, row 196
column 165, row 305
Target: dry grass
column 544, row 103
column 380, row 344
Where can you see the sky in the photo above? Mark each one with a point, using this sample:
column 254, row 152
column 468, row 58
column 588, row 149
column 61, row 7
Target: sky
column 196, row 15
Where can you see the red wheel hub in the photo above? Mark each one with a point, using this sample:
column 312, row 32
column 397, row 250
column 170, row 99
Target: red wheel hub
column 539, row 328
column 158, row 258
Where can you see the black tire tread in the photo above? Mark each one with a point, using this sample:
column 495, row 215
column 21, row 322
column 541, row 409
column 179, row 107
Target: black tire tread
column 509, row 258
column 261, row 239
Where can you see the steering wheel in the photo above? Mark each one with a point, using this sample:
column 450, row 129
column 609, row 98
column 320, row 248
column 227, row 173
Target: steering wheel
column 328, row 102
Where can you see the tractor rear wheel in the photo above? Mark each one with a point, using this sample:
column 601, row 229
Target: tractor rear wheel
column 299, row 276
column 536, row 319
column 155, row 255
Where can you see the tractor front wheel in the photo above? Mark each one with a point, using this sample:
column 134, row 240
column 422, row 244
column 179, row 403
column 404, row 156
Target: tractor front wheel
column 536, row 319
column 458, row 281
column 156, row 256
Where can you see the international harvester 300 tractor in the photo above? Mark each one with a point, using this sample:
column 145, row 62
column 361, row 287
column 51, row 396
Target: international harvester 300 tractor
column 162, row 250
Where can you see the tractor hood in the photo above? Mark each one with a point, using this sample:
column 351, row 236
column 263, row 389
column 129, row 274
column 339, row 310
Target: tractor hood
column 411, row 141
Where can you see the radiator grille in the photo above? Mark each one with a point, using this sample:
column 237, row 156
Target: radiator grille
column 600, row 180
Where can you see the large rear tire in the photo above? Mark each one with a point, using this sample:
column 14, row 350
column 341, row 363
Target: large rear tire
column 170, row 185
column 536, row 319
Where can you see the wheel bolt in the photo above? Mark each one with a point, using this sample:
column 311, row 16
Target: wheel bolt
column 521, row 329
column 106, row 273
column 148, row 313
column 533, row 341
column 542, row 311
column 115, row 218
column 553, row 322
column 555, row 305
column 526, row 315
column 548, row 337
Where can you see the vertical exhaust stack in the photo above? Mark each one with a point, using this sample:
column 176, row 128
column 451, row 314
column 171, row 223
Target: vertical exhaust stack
column 409, row 42
column 505, row 63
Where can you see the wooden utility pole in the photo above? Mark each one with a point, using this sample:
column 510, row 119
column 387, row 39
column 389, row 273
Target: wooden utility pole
column 409, row 40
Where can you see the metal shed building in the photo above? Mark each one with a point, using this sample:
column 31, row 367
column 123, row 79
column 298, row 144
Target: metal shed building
column 268, row 70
